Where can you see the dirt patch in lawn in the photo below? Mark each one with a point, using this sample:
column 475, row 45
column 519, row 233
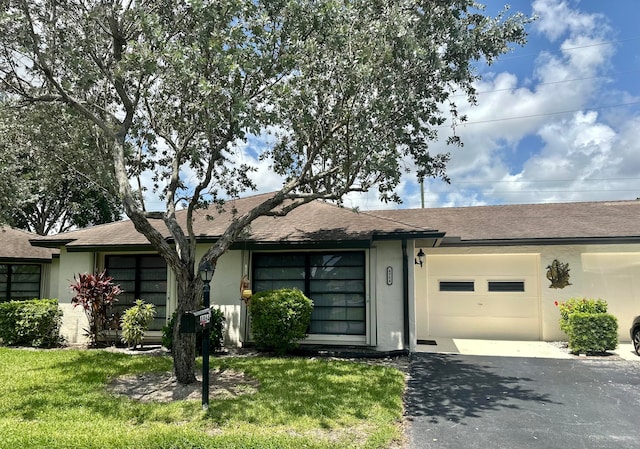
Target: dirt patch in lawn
column 164, row 387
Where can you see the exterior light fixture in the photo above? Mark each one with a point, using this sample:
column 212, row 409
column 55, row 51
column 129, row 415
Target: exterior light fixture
column 206, row 272
column 420, row 259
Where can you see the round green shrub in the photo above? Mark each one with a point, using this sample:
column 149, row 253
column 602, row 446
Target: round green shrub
column 279, row 319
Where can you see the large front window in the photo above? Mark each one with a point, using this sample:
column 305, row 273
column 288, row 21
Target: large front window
column 334, row 281
column 19, row 282
column 141, row 277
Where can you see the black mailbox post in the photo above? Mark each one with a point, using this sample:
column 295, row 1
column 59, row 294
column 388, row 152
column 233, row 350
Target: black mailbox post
column 199, row 321
column 195, row 322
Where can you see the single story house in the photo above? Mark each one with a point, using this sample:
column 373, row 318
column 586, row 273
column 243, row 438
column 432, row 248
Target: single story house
column 25, row 271
column 389, row 279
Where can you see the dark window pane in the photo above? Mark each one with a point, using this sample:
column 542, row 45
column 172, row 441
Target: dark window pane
column 337, row 300
column 19, row 282
column 280, row 273
column 457, row 286
column 261, row 286
column 351, row 286
column 279, row 260
column 506, row 286
column 334, row 281
column 141, row 277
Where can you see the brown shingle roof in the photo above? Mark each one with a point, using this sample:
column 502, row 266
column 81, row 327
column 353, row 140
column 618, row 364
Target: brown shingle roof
column 319, row 221
column 607, row 219
column 313, row 222
column 14, row 245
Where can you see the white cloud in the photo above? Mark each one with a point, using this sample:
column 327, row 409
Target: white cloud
column 555, row 18
column 584, row 154
column 578, row 155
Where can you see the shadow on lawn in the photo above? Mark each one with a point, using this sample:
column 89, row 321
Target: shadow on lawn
column 290, row 388
column 445, row 387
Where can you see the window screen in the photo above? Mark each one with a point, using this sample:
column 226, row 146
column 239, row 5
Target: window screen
column 334, row 281
column 19, row 282
column 141, row 277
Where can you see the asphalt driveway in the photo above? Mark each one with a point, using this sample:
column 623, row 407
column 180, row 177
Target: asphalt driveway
column 464, row 401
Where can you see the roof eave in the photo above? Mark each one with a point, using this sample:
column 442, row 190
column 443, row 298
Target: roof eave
column 50, row 243
column 607, row 240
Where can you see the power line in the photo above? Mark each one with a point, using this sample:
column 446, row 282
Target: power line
column 578, row 47
column 543, row 180
column 544, row 114
column 482, row 92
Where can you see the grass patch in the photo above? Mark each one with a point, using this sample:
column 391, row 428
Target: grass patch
column 57, row 399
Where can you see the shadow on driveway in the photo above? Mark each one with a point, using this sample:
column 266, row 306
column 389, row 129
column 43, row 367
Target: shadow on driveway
column 443, row 387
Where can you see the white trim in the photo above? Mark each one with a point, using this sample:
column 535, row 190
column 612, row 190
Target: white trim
column 359, row 340
column 371, row 325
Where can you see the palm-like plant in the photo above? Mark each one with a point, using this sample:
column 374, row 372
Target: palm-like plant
column 95, row 293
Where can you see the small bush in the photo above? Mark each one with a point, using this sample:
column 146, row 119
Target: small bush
column 136, row 321
column 579, row 305
column 216, row 334
column 279, row 319
column 31, row 323
column 592, row 332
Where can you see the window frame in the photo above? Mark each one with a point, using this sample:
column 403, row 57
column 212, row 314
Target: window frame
column 451, row 286
column 7, row 296
column 159, row 319
column 308, row 280
column 506, row 285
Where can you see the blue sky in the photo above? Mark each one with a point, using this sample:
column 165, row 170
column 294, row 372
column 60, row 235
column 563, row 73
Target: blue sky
column 557, row 120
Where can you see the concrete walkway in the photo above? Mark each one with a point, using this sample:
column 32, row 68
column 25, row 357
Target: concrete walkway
column 536, row 349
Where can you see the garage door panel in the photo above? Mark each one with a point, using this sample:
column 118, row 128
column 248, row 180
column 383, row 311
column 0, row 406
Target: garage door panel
column 524, row 307
column 488, row 328
column 482, row 313
column 481, row 264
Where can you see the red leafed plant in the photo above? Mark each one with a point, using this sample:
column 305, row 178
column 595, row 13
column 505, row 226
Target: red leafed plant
column 95, row 293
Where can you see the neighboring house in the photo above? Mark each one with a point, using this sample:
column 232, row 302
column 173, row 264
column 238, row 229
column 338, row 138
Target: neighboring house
column 483, row 274
column 26, row 272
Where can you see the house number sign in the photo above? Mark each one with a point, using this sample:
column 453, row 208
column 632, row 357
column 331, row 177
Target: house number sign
column 205, row 319
column 389, row 275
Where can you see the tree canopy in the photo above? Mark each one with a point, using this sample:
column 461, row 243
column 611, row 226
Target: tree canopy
column 53, row 173
column 349, row 89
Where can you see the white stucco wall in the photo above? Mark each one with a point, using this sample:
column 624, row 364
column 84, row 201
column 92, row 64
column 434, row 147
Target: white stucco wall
column 389, row 306
column 74, row 320
column 225, row 291
column 609, row 272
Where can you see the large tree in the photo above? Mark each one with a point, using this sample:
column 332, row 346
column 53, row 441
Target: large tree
column 350, row 90
column 53, row 175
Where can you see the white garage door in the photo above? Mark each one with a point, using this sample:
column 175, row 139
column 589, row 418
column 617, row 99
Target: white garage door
column 483, row 296
column 615, row 277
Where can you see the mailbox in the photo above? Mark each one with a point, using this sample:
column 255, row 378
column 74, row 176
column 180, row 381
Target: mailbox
column 196, row 321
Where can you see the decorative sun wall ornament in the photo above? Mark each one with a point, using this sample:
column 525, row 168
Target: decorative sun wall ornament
column 558, row 274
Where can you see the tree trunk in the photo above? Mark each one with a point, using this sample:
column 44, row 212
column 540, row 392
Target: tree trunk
column 184, row 345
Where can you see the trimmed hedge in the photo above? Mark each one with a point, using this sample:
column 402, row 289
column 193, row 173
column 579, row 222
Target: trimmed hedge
column 34, row 323
column 579, row 305
column 279, row 319
column 592, row 332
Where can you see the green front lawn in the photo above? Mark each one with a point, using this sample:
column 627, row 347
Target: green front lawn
column 57, row 399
